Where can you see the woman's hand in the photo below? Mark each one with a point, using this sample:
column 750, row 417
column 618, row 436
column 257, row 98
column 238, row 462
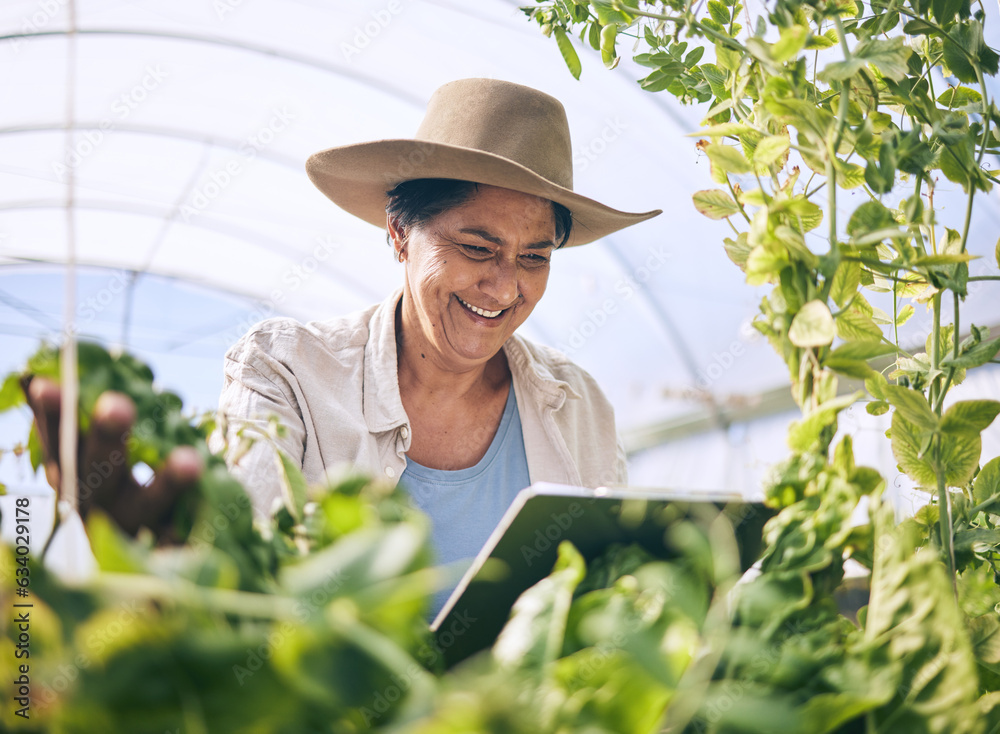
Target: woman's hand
column 104, row 477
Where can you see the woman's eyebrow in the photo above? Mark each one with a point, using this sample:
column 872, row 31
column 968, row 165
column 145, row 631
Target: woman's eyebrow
column 483, row 234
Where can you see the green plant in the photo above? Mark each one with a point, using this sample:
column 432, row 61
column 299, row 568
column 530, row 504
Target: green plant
column 288, row 626
column 809, row 100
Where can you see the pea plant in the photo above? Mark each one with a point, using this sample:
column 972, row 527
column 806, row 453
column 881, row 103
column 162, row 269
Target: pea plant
column 806, row 101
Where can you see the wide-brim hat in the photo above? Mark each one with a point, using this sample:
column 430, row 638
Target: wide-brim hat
column 482, row 130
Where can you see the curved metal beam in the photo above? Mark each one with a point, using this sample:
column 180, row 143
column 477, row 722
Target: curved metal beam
column 271, row 245
column 161, row 132
column 312, row 62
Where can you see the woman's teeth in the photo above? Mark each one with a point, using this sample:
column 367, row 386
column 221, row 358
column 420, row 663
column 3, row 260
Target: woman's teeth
column 480, row 311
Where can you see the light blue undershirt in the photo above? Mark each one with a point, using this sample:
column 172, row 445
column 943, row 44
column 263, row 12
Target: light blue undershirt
column 465, row 505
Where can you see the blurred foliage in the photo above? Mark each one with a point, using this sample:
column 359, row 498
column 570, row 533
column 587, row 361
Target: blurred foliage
column 805, row 101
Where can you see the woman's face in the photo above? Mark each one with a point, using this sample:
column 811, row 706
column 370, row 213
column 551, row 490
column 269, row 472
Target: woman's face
column 475, row 272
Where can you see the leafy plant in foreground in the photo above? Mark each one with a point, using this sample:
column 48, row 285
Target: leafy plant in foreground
column 808, row 100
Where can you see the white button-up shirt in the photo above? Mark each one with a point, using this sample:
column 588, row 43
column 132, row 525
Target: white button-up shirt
column 334, row 387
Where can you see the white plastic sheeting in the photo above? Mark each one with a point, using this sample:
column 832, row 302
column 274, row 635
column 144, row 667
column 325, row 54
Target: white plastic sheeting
column 167, row 140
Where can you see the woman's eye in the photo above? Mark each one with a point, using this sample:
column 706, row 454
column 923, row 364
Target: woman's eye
column 536, row 260
column 476, row 250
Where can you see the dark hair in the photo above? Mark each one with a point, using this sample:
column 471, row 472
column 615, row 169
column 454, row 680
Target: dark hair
column 420, row 200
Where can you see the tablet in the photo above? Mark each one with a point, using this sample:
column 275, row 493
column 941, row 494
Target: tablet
column 522, row 549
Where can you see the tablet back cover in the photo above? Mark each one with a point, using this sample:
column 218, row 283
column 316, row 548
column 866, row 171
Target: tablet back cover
column 522, row 549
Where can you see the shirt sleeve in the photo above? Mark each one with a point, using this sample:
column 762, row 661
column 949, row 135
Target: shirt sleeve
column 257, row 396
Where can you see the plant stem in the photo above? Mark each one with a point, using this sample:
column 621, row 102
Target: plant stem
column 935, row 348
column 944, row 517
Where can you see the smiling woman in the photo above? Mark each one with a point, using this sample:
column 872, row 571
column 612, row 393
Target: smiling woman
column 433, row 388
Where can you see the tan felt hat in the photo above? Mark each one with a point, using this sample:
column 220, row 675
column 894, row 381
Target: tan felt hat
column 482, row 130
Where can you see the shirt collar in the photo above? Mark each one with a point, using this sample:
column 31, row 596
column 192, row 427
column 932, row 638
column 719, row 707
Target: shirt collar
column 382, row 404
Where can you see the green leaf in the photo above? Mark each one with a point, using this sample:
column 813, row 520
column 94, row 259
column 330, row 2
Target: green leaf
column 889, row 56
column 727, row 158
column 715, row 204
column 959, row 97
column 11, row 394
column 909, row 450
column 913, row 406
column 725, row 128
column 533, row 637
column 996, row 253
column 914, row 633
column 946, row 10
column 608, row 12
column 977, row 355
column 960, row 454
column 863, row 350
column 812, row 326
column 845, row 282
column 568, row 52
column 877, row 407
column 770, row 149
column 294, row 485
column 738, row 250
column 856, row 325
column 719, row 12
column 805, row 435
column 790, row 42
column 968, row 39
column 693, row 57
column 942, row 258
column 987, row 484
column 869, row 217
column 970, row 416
column 984, row 634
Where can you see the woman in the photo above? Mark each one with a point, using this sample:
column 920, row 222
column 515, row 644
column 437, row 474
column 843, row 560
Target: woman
column 433, row 387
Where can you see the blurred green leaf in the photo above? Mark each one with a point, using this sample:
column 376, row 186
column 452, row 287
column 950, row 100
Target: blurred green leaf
column 727, row 158
column 975, row 356
column 533, row 637
column 987, row 484
column 812, row 326
column 11, row 394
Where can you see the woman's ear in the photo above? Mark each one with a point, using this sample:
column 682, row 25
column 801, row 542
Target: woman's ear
column 396, row 235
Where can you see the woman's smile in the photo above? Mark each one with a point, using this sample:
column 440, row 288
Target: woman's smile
column 479, row 311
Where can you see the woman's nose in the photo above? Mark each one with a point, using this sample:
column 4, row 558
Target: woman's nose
column 500, row 282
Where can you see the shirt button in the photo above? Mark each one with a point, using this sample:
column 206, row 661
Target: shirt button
column 404, row 432
column 390, row 472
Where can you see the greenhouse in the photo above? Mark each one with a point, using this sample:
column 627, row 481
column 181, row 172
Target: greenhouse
column 807, row 334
